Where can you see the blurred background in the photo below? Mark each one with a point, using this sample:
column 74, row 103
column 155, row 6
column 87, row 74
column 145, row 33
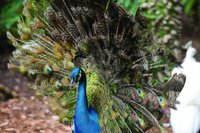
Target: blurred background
column 172, row 22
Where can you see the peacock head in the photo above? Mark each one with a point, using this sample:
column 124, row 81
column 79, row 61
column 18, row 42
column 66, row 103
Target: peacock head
column 75, row 75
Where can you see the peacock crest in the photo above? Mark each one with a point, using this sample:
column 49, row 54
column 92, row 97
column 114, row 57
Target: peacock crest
column 111, row 46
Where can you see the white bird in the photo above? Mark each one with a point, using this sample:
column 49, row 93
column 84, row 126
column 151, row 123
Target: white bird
column 186, row 117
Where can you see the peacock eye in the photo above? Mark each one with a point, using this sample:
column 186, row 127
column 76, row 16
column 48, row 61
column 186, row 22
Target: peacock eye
column 47, row 69
column 139, row 91
column 58, row 84
column 31, row 73
column 65, row 121
column 160, row 99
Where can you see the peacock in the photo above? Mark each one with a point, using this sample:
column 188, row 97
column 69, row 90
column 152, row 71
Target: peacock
column 96, row 42
column 188, row 101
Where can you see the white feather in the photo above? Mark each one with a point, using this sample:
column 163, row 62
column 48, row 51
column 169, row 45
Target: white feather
column 186, row 119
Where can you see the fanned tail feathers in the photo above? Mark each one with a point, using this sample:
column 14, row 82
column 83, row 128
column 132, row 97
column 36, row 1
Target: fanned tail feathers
column 110, row 45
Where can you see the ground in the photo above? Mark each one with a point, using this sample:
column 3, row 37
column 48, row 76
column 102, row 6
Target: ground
column 25, row 113
column 29, row 115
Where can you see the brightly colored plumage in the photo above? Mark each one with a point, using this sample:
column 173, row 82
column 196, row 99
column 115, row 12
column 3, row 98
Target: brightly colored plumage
column 110, row 46
column 85, row 118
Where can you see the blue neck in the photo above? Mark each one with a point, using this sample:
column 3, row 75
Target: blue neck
column 81, row 104
column 85, row 119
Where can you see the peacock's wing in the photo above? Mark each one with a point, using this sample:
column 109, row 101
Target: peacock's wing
column 100, row 37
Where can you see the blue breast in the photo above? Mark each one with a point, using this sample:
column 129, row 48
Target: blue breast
column 90, row 125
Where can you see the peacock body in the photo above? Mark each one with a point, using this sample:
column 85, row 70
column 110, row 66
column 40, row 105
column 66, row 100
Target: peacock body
column 85, row 118
column 110, row 46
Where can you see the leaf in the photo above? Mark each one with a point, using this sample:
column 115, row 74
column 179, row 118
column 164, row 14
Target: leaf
column 10, row 13
column 189, row 5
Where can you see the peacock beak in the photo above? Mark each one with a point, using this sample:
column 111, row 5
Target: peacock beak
column 72, row 82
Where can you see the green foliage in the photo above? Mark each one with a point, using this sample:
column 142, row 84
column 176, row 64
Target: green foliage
column 130, row 5
column 188, row 5
column 10, row 14
column 164, row 20
column 191, row 7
